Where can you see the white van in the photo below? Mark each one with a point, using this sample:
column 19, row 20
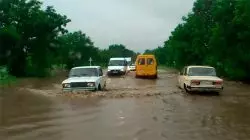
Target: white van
column 117, row 65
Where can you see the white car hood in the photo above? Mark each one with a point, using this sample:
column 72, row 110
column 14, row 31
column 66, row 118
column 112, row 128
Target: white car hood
column 212, row 78
column 115, row 67
column 80, row 79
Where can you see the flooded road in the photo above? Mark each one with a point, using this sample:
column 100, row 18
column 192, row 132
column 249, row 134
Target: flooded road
column 130, row 109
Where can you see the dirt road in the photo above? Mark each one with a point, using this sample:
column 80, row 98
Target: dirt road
column 130, row 109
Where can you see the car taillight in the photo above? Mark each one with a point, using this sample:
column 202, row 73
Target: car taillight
column 217, row 82
column 195, row 82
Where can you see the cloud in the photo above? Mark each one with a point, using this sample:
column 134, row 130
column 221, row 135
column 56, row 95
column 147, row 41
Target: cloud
column 138, row 24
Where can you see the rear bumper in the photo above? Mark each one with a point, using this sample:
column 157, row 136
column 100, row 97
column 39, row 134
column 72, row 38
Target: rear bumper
column 79, row 89
column 146, row 74
column 204, row 89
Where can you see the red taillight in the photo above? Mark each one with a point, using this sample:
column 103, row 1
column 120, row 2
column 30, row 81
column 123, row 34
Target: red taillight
column 195, row 82
column 217, row 82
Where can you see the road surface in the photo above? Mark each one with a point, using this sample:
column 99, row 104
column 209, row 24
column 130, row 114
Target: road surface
column 129, row 109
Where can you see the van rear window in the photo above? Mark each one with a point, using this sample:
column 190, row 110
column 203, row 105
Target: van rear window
column 141, row 61
column 150, row 61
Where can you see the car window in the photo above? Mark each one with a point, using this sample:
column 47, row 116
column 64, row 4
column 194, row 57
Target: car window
column 100, row 72
column 141, row 61
column 201, row 71
column 78, row 72
column 150, row 61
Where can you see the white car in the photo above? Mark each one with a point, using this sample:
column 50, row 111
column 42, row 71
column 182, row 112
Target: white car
column 132, row 67
column 85, row 78
column 200, row 78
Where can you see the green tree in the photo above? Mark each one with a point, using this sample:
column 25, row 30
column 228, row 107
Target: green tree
column 215, row 33
column 34, row 31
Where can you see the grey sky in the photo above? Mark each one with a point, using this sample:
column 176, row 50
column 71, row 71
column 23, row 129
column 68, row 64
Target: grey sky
column 138, row 24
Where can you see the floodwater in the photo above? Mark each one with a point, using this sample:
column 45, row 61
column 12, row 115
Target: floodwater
column 129, row 109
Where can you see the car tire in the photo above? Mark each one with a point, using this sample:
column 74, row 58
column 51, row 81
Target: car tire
column 185, row 89
column 99, row 87
column 156, row 76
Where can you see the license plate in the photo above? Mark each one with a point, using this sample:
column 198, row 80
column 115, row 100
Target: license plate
column 206, row 83
column 115, row 71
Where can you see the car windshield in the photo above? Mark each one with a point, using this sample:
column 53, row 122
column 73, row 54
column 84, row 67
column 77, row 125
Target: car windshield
column 83, row 72
column 202, row 72
column 116, row 63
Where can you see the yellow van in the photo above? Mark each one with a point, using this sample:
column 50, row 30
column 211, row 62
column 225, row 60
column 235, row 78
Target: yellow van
column 146, row 66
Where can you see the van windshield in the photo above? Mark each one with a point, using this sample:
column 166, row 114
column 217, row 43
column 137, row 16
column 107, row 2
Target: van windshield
column 116, row 63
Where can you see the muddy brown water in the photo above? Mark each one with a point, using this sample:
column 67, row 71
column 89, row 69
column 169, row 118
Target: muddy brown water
column 129, row 109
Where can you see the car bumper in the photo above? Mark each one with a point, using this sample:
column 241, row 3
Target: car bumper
column 114, row 72
column 146, row 73
column 204, row 89
column 79, row 89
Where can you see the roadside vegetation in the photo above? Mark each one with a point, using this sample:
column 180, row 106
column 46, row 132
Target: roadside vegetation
column 5, row 78
column 34, row 41
column 215, row 33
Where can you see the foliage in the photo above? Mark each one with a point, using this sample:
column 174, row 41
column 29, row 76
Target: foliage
column 5, row 78
column 32, row 40
column 215, row 33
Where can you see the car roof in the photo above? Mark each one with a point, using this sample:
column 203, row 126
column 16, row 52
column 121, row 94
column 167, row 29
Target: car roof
column 199, row 66
column 117, row 58
column 86, row 67
column 145, row 55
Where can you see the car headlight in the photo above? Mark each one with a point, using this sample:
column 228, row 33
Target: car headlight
column 66, row 85
column 122, row 69
column 91, row 84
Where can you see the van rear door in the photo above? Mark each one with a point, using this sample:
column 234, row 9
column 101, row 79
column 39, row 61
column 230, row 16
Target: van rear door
column 150, row 65
column 141, row 65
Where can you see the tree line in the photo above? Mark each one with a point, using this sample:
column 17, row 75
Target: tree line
column 33, row 40
column 216, row 33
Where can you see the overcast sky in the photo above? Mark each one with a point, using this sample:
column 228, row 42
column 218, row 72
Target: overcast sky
column 138, row 24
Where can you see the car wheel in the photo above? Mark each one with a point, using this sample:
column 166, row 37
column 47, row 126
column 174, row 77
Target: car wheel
column 185, row 88
column 156, row 76
column 99, row 87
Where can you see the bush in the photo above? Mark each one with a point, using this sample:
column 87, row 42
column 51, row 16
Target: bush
column 5, row 78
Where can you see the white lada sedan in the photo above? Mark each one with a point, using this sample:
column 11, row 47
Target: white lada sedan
column 200, row 78
column 85, row 78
